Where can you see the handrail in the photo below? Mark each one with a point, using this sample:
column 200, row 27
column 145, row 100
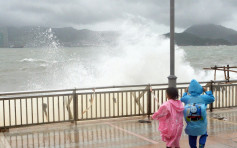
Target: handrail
column 34, row 92
column 103, row 87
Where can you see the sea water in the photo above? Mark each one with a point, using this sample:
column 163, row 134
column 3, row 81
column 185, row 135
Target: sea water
column 138, row 56
column 40, row 69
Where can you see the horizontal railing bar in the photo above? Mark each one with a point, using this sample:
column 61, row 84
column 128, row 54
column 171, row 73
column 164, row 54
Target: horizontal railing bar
column 221, row 67
column 224, row 85
column 144, row 85
column 34, row 92
column 105, row 87
column 14, row 97
column 26, row 97
column 216, row 81
column 157, row 89
column 119, row 91
column 53, row 95
column 224, row 81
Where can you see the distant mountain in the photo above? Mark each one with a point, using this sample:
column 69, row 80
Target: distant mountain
column 72, row 37
column 210, row 31
column 206, row 34
column 196, row 35
column 232, row 38
column 45, row 36
column 186, row 39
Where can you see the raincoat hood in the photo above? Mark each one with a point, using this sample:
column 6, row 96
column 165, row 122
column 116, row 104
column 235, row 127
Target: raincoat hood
column 177, row 105
column 195, row 88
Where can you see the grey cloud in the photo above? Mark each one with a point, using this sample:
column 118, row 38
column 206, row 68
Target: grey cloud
column 85, row 12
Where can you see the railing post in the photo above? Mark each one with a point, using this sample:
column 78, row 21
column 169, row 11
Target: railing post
column 75, row 106
column 228, row 73
column 211, row 105
column 149, row 101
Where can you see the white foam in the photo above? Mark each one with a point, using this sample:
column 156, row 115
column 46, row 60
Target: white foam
column 143, row 57
column 140, row 56
column 28, row 60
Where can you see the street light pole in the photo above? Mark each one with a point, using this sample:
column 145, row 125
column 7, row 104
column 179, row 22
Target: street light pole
column 172, row 78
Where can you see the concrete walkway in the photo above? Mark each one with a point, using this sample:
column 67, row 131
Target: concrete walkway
column 123, row 132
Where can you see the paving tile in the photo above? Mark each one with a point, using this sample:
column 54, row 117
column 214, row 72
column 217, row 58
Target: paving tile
column 117, row 133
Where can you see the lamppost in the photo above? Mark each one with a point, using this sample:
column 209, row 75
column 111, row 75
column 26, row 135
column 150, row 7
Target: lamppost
column 172, row 78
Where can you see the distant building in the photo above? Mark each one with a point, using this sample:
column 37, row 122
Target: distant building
column 3, row 37
column 1, row 40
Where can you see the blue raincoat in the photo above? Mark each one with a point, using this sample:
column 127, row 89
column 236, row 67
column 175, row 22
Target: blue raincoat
column 197, row 128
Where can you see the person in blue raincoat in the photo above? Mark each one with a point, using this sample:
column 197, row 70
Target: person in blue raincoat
column 195, row 113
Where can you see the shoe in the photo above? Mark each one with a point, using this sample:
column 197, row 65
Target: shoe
column 201, row 145
column 144, row 121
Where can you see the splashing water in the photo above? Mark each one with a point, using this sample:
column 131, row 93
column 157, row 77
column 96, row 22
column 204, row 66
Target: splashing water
column 143, row 57
column 140, row 56
column 50, row 53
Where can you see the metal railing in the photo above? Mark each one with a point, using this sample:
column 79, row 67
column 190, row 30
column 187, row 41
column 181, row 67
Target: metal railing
column 70, row 105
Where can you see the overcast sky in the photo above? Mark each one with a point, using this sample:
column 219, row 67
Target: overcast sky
column 108, row 14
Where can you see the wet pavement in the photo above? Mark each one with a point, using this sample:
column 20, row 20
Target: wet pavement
column 123, row 132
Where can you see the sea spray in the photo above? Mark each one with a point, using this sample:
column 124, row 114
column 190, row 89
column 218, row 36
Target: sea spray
column 139, row 56
column 142, row 56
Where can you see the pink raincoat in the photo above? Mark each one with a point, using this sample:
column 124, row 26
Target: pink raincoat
column 170, row 116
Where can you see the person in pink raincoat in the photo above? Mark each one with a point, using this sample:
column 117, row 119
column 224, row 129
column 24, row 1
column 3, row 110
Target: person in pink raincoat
column 170, row 116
